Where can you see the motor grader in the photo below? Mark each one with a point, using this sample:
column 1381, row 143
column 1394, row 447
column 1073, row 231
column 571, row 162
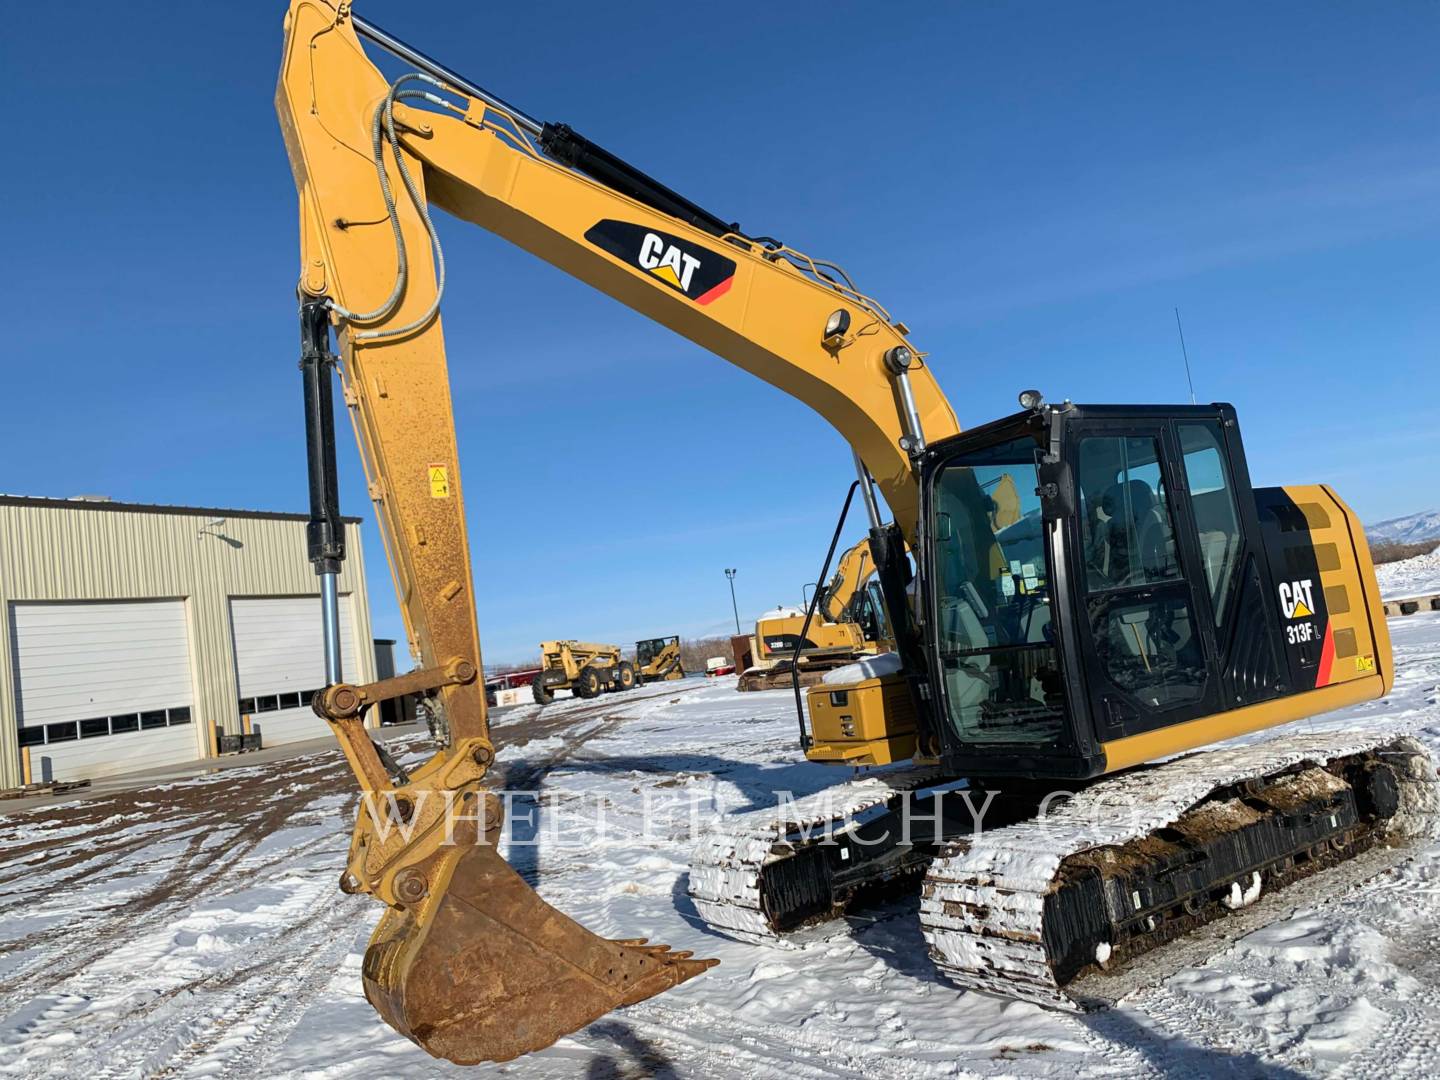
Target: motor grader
column 1146, row 601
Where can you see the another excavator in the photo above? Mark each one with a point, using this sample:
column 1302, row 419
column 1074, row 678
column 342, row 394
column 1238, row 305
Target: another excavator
column 846, row 620
column 1145, row 601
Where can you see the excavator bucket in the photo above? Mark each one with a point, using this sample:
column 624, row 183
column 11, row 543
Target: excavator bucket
column 484, row 970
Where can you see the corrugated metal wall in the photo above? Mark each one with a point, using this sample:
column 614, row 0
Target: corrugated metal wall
column 87, row 553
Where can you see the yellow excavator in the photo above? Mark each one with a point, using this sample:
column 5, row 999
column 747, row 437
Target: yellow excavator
column 844, row 620
column 1145, row 601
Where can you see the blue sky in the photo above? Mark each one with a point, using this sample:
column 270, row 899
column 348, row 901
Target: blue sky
column 1031, row 188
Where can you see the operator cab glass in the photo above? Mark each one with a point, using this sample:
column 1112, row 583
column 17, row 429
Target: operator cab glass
column 647, row 650
column 999, row 664
column 867, row 611
column 1137, row 597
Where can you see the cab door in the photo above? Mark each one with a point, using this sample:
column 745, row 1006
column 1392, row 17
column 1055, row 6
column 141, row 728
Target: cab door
column 1230, row 551
column 1141, row 601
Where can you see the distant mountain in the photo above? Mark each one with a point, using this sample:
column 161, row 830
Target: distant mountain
column 1406, row 530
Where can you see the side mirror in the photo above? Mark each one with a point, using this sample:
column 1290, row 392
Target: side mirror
column 1056, row 488
column 944, row 531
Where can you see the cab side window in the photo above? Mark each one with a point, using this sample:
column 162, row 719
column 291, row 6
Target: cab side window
column 1212, row 499
column 1128, row 530
column 1137, row 598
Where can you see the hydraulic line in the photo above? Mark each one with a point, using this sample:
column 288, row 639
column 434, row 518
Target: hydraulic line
column 805, row 739
column 383, row 133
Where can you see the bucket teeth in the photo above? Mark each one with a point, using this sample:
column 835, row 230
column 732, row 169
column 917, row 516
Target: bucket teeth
column 669, row 970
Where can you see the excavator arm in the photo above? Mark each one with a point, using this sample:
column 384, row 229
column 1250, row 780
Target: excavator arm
column 467, row 960
column 854, row 569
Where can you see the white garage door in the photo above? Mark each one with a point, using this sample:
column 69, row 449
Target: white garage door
column 280, row 663
column 102, row 688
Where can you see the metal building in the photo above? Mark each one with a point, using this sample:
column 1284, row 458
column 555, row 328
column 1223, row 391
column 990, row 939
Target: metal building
column 133, row 635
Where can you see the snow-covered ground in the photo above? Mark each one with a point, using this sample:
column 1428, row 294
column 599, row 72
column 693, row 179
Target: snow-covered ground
column 195, row 929
column 1410, row 577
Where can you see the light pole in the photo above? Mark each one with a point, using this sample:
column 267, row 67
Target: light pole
column 730, row 576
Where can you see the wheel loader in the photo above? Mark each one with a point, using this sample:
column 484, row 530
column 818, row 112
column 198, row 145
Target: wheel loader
column 1138, row 604
column 584, row 668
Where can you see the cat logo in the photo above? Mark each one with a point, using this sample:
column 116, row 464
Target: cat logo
column 667, row 262
column 1296, row 600
column 696, row 272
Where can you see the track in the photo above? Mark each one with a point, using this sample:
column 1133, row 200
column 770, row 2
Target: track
column 728, row 863
column 983, row 899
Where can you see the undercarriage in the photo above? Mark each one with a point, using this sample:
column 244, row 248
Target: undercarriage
column 1024, row 891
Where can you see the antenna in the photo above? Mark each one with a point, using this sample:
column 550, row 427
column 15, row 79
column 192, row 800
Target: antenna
column 1185, row 353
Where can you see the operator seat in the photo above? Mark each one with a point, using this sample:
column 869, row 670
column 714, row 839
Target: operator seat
column 1139, row 536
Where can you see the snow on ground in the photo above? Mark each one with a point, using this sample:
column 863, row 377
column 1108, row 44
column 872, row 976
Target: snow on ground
column 194, row 929
column 1410, row 577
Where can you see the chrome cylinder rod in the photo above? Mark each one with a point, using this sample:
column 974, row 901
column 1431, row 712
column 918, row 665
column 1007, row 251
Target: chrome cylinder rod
column 898, row 361
column 330, row 617
column 867, row 491
column 411, row 55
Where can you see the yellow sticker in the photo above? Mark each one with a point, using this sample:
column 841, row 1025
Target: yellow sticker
column 439, row 481
column 1364, row 663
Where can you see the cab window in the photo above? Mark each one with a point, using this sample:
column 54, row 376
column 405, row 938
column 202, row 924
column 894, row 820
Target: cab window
column 996, row 644
column 1137, row 598
column 1212, row 501
column 1129, row 535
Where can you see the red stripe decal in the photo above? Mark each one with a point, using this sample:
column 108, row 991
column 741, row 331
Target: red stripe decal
column 717, row 291
column 1327, row 657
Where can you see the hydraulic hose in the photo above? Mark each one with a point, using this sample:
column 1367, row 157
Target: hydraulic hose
column 805, row 739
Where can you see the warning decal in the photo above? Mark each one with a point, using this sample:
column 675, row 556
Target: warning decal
column 439, row 481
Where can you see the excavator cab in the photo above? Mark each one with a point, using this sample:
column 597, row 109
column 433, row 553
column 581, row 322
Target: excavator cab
column 1139, row 599
column 1131, row 596
column 867, row 611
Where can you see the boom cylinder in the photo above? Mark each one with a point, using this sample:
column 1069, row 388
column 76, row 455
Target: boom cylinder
column 560, row 141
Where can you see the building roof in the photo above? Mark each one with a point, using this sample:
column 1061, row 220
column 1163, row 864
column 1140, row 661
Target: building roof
column 100, row 503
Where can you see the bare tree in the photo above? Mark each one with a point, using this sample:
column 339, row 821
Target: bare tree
column 1389, row 551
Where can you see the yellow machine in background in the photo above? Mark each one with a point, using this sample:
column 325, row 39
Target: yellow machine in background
column 658, row 659
column 583, row 667
column 849, row 621
column 1133, row 598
